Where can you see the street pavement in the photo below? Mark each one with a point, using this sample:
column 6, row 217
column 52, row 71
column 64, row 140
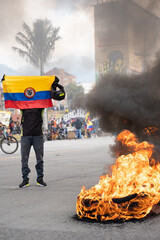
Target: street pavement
column 49, row 213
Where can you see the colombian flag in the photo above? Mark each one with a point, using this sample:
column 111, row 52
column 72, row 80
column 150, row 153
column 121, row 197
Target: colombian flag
column 90, row 125
column 23, row 92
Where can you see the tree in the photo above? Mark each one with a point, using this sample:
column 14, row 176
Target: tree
column 79, row 101
column 75, row 96
column 37, row 44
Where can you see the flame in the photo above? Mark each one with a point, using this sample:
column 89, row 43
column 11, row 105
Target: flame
column 131, row 191
column 151, row 131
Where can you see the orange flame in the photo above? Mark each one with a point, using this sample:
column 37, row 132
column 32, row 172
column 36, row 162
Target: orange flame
column 151, row 131
column 131, row 191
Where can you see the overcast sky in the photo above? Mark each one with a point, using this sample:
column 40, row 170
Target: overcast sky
column 74, row 17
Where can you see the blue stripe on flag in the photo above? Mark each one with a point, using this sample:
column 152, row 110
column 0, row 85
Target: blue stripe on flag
column 21, row 97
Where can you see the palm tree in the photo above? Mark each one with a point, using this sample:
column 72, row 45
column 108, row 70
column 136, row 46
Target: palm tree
column 37, row 44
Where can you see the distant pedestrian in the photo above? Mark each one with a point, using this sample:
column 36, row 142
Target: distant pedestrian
column 11, row 124
column 18, row 128
column 78, row 125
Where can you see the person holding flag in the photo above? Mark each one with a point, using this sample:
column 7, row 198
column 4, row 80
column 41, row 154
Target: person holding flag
column 31, row 95
column 88, row 126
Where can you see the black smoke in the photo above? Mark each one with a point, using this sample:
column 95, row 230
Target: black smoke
column 127, row 102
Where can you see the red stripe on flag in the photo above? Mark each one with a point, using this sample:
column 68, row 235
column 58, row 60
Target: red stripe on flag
column 29, row 104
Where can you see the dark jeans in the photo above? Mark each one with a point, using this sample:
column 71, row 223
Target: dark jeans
column 37, row 143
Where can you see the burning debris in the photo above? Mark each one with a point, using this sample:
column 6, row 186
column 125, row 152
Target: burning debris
column 132, row 190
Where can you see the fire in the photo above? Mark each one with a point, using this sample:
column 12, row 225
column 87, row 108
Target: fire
column 151, row 130
column 131, row 191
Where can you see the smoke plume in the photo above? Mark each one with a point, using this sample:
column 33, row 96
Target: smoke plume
column 127, row 102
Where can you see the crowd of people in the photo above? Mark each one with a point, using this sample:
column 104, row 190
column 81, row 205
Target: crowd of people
column 11, row 129
column 76, row 128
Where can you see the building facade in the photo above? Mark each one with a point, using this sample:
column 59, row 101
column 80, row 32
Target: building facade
column 64, row 77
column 127, row 36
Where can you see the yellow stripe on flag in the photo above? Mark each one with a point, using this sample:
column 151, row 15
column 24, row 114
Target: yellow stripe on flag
column 17, row 84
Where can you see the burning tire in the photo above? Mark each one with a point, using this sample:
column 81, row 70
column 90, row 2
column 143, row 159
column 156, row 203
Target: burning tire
column 131, row 191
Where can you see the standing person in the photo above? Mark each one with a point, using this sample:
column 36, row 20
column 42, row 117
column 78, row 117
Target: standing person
column 89, row 128
column 14, row 128
column 34, row 94
column 18, row 128
column 32, row 136
column 78, row 125
column 63, row 124
column 11, row 125
column 53, row 124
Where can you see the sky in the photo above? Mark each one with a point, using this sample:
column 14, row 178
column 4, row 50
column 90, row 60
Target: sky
column 74, row 17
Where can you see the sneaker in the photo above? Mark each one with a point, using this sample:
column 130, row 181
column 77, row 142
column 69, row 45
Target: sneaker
column 41, row 183
column 24, row 184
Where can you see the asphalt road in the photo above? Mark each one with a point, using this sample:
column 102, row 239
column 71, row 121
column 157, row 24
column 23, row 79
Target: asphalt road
column 49, row 213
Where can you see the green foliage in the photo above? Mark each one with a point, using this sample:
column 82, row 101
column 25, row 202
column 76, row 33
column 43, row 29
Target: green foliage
column 37, row 45
column 72, row 89
column 75, row 96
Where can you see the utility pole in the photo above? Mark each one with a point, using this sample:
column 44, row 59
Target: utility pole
column 45, row 116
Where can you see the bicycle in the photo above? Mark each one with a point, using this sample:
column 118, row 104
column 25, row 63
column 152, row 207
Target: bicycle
column 8, row 144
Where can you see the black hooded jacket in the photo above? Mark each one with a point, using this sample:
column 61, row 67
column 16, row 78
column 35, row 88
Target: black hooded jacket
column 32, row 121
